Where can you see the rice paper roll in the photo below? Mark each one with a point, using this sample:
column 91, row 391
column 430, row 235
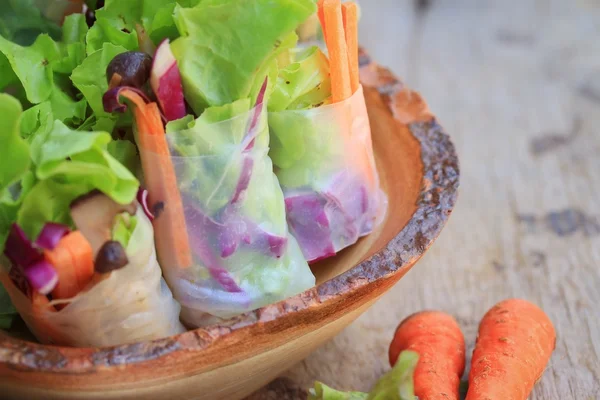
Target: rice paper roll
column 323, row 157
column 131, row 304
column 243, row 255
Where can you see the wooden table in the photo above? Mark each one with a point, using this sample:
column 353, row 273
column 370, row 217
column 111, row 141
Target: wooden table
column 517, row 85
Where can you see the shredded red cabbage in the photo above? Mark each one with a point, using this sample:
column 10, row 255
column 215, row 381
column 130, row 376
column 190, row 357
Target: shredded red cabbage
column 39, row 273
column 142, row 198
column 302, row 212
column 41, row 276
column 51, row 235
column 19, row 249
column 244, row 179
column 111, row 100
column 258, row 107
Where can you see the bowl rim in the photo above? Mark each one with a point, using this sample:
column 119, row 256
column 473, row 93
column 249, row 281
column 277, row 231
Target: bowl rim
column 438, row 194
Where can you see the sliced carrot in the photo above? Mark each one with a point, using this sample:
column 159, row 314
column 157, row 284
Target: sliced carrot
column 322, row 19
column 350, row 17
column 338, row 51
column 74, row 262
column 161, row 182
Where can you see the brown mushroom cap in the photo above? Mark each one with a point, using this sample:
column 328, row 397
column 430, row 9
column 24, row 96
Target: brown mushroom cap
column 111, row 256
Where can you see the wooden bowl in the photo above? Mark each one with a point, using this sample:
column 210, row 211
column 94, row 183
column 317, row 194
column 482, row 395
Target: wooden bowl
column 419, row 171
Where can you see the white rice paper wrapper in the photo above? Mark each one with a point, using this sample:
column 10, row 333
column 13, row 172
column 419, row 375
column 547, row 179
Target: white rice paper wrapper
column 243, row 255
column 324, row 161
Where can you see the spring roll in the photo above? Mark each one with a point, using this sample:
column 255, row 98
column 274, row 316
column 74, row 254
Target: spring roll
column 130, row 304
column 79, row 262
column 323, row 157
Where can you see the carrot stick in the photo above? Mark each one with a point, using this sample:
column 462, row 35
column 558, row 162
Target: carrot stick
column 338, row 51
column 164, row 198
column 515, row 342
column 74, row 262
column 350, row 17
column 438, row 340
column 322, row 19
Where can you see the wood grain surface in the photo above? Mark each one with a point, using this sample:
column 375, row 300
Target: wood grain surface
column 517, row 85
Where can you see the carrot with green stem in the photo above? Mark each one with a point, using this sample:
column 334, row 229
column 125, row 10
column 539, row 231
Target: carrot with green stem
column 161, row 182
column 335, row 38
column 350, row 18
column 438, row 340
column 514, row 344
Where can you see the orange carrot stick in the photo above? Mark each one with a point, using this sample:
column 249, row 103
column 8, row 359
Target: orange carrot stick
column 438, row 340
column 338, row 52
column 161, row 182
column 350, row 17
column 74, row 262
column 514, row 344
column 322, row 19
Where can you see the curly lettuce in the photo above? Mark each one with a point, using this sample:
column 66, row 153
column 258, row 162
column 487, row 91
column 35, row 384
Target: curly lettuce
column 40, row 71
column 226, row 49
column 116, row 22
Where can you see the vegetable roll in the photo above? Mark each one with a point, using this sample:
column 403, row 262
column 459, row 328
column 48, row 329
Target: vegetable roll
column 125, row 305
column 321, row 141
column 220, row 224
column 79, row 259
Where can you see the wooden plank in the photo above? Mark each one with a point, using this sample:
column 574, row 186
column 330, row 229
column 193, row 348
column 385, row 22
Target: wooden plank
column 517, row 84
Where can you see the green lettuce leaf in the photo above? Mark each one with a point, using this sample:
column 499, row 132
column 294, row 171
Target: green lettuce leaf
column 66, row 109
column 126, row 153
column 36, row 68
column 208, row 148
column 72, row 47
column 36, row 119
column 397, row 384
column 7, row 311
column 69, row 164
column 123, row 228
column 10, row 201
column 324, row 392
column 90, row 78
column 305, row 79
column 15, row 178
column 21, row 22
column 14, row 162
column 203, row 136
column 116, row 22
column 227, row 47
column 30, row 65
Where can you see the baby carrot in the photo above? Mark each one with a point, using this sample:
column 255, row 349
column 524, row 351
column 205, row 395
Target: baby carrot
column 438, row 340
column 515, row 342
column 350, row 17
column 338, row 51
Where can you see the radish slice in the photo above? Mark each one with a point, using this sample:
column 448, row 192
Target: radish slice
column 165, row 80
